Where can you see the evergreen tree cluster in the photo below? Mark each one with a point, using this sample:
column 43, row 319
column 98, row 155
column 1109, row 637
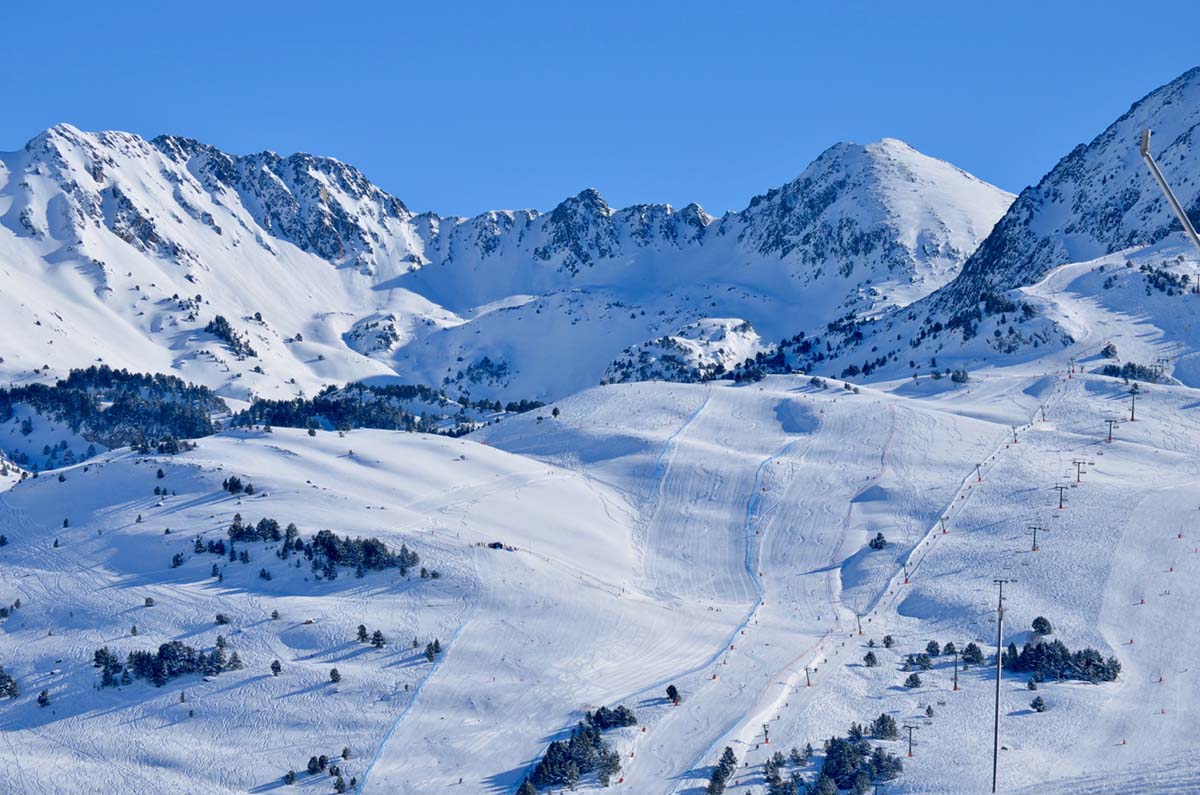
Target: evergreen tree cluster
column 566, row 762
column 5, row 612
column 8, row 685
column 325, row 551
column 921, row 661
column 393, row 407
column 850, row 761
column 173, row 659
column 369, row 554
column 233, row 484
column 117, row 408
column 776, row 766
column 1131, row 371
column 265, row 530
column 605, row 718
column 1164, row 280
column 376, row 638
column 219, row 327
column 884, row 727
column 1054, row 660
column 721, row 773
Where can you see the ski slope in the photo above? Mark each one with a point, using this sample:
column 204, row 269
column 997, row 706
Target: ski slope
column 709, row 536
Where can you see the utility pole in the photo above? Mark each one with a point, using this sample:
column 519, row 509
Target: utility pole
column 1014, row 429
column 906, row 574
column 956, row 668
column 807, row 679
column 1079, row 464
column 943, row 520
column 999, row 657
column 1062, row 490
column 1176, row 207
column 1111, row 424
column 1043, row 408
column 858, row 620
column 910, row 731
column 1133, row 403
column 1035, row 528
column 979, row 473
column 766, row 733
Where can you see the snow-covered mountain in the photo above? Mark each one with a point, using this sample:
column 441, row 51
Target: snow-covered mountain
column 1099, row 199
column 123, row 250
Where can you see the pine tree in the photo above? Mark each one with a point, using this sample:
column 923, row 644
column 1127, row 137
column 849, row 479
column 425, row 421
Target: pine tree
column 43, row 698
column 949, row 648
column 972, row 654
column 335, row 676
column 1038, row 704
column 869, row 660
column 888, row 642
column 289, row 777
column 824, row 786
column 314, row 766
column 362, row 633
column 527, row 789
column 276, row 667
column 673, row 694
column 912, row 681
column 346, row 752
column 377, row 639
column 1041, row 625
column 932, row 648
column 884, row 727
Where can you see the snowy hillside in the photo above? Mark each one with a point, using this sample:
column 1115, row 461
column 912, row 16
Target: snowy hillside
column 700, row 351
column 125, row 250
column 710, row 537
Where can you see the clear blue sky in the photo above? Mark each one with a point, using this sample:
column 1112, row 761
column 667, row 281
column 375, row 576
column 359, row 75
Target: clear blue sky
column 460, row 107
